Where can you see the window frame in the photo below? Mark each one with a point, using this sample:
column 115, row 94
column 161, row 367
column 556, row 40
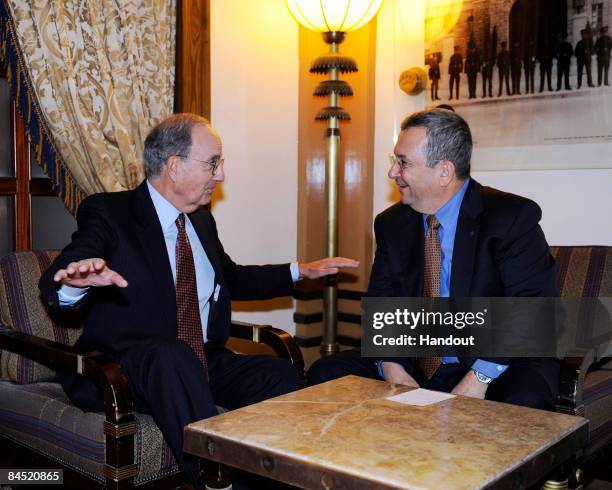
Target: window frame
column 21, row 186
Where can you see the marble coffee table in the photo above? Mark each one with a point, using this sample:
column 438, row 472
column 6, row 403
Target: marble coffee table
column 345, row 434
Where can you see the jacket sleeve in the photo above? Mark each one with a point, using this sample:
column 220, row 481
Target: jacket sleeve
column 380, row 277
column 381, row 286
column 526, row 269
column 92, row 239
column 525, row 264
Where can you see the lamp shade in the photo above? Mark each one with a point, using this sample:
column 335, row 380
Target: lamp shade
column 333, row 15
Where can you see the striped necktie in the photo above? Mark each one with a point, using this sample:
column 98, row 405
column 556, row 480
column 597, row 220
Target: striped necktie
column 431, row 282
column 189, row 323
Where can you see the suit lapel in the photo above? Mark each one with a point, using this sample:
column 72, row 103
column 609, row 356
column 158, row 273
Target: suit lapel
column 202, row 223
column 207, row 236
column 466, row 239
column 151, row 237
column 411, row 236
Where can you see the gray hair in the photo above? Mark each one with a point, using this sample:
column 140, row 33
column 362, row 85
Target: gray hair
column 170, row 137
column 448, row 138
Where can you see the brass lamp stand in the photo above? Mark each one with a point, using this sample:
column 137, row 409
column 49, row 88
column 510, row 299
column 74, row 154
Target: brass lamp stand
column 332, row 63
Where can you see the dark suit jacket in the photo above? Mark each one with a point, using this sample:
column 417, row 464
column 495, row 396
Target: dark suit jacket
column 499, row 251
column 123, row 228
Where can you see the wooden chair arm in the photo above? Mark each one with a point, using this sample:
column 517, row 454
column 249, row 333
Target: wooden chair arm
column 64, row 358
column 280, row 341
column 574, row 368
column 108, row 375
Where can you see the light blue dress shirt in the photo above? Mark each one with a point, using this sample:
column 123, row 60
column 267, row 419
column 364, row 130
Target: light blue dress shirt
column 448, row 215
column 205, row 274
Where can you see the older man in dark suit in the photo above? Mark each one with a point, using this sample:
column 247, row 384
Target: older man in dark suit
column 450, row 236
column 149, row 269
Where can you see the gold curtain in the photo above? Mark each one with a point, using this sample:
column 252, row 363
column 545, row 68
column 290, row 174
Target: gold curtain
column 102, row 73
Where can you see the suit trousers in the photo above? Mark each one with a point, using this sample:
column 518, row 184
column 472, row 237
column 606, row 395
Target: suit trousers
column 168, row 381
column 518, row 385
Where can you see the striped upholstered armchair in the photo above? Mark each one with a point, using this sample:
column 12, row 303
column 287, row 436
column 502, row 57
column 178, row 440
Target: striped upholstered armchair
column 38, row 424
column 585, row 385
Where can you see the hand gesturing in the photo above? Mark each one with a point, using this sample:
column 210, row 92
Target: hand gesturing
column 326, row 267
column 89, row 272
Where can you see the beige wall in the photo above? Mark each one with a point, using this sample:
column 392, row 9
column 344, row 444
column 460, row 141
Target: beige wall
column 576, row 204
column 254, row 98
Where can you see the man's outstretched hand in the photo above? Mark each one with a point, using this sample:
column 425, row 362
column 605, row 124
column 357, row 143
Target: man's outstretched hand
column 326, row 267
column 89, row 272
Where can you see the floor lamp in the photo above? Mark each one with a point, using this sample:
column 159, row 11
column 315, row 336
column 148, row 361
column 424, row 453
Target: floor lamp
column 333, row 18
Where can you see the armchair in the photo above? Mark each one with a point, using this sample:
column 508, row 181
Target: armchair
column 585, row 384
column 40, row 427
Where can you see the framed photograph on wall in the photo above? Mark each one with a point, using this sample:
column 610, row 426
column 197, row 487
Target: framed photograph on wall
column 531, row 77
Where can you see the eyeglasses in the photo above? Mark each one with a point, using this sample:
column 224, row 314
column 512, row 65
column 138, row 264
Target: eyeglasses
column 402, row 164
column 213, row 164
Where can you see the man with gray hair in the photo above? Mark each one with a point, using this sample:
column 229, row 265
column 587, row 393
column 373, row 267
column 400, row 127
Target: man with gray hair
column 451, row 237
column 156, row 286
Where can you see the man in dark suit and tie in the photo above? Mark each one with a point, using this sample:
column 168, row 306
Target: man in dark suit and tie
column 156, row 288
column 450, row 236
column 455, row 67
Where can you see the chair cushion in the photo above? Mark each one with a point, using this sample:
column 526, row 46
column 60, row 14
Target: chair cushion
column 22, row 309
column 597, row 399
column 40, row 417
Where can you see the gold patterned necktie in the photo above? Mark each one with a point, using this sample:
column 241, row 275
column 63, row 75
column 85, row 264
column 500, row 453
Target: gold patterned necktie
column 431, row 282
column 189, row 323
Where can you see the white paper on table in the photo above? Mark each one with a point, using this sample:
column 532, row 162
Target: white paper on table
column 421, row 397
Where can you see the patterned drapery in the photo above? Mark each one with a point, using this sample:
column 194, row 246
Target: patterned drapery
column 90, row 78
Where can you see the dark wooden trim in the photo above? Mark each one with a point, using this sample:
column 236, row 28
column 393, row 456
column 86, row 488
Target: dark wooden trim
column 192, row 85
column 307, row 318
column 177, row 56
column 8, row 186
column 318, row 294
column 21, row 147
column 308, row 295
column 280, row 341
column 573, row 370
column 310, row 318
column 350, row 341
column 349, row 318
column 305, row 342
column 41, row 187
column 350, row 294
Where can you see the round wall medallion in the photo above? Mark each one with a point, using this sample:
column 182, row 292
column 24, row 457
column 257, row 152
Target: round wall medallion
column 413, row 80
